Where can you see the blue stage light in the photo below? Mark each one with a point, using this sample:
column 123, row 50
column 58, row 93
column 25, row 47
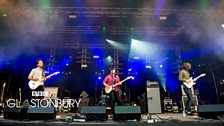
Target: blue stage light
column 136, row 57
column 96, row 57
column 116, row 44
column 148, row 66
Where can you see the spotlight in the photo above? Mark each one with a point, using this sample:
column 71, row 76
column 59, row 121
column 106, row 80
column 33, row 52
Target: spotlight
column 222, row 25
column 136, row 57
column 96, row 57
column 161, row 66
column 109, row 59
column 84, row 65
column 148, row 66
column 4, row 14
column 99, row 78
column 67, row 64
column 129, row 69
column 132, row 29
column 104, row 29
column 116, row 44
column 72, row 16
column 162, row 18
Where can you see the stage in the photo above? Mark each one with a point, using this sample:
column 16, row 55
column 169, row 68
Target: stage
column 67, row 61
column 165, row 119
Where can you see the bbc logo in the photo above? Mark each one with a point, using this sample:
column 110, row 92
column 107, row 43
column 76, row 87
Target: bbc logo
column 39, row 93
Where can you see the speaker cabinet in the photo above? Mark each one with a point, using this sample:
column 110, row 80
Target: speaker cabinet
column 94, row 113
column 15, row 113
column 210, row 111
column 41, row 113
column 127, row 113
column 153, row 97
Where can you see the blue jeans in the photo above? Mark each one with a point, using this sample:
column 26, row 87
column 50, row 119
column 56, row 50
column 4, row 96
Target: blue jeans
column 189, row 98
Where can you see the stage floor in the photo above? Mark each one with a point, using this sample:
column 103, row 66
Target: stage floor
column 166, row 119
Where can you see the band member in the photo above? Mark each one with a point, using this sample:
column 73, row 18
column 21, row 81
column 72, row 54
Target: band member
column 35, row 75
column 110, row 80
column 184, row 76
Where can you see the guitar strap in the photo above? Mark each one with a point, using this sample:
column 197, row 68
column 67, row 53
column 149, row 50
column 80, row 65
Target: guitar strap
column 189, row 76
column 43, row 75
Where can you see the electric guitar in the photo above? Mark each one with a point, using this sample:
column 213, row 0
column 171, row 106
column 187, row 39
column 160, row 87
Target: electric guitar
column 190, row 82
column 34, row 84
column 20, row 97
column 110, row 88
column 2, row 95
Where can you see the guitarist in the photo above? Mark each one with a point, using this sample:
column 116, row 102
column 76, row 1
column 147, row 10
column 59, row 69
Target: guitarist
column 35, row 74
column 110, row 80
column 184, row 76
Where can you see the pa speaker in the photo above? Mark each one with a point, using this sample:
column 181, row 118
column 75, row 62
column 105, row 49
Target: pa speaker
column 41, row 113
column 210, row 111
column 127, row 113
column 15, row 113
column 94, row 112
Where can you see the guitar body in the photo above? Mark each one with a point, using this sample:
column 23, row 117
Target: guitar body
column 34, row 84
column 189, row 84
column 108, row 89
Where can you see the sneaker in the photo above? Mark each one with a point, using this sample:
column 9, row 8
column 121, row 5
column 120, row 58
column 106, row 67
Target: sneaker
column 189, row 113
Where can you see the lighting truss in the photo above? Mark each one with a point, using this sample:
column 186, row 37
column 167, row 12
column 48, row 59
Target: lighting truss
column 122, row 12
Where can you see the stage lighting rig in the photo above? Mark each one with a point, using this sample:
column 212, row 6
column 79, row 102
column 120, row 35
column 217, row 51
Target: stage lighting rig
column 83, row 59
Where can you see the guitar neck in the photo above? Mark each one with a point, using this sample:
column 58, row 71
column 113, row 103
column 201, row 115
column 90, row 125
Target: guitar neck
column 124, row 80
column 50, row 75
column 121, row 81
column 20, row 97
column 197, row 78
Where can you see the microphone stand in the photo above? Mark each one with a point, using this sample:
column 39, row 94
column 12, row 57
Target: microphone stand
column 214, row 82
